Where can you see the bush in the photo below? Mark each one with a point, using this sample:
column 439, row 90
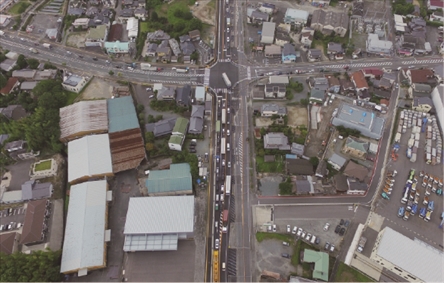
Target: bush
column 286, row 188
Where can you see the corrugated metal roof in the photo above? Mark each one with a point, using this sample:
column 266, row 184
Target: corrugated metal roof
column 160, row 215
column 420, row 260
column 85, row 227
column 122, row 114
column 127, row 149
column 176, row 179
column 89, row 156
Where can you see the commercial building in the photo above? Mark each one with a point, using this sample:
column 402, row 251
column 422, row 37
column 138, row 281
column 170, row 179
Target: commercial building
column 419, row 262
column 268, row 30
column 35, row 224
column 320, row 261
column 438, row 102
column 158, row 223
column 83, row 118
column 174, row 181
column 297, row 17
column 379, row 47
column 356, row 118
column 74, row 83
column 86, row 234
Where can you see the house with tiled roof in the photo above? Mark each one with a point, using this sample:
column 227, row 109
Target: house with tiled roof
column 373, row 73
column 10, row 85
column 422, row 76
column 356, row 171
column 328, row 22
column 355, row 148
column 359, row 81
column 178, row 134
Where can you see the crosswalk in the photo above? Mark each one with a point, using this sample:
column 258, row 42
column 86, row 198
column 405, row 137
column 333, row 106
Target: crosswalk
column 175, row 82
column 370, row 64
column 248, row 73
column 207, row 76
column 427, row 61
column 224, row 60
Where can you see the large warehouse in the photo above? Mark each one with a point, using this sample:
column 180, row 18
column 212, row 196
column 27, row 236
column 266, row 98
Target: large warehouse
column 89, row 157
column 84, row 248
column 357, row 118
column 158, row 223
column 175, row 181
column 438, row 102
column 413, row 260
column 83, row 118
column 125, row 136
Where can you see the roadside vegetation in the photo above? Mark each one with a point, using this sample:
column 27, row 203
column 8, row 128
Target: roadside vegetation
column 19, row 8
column 261, row 236
column 347, row 273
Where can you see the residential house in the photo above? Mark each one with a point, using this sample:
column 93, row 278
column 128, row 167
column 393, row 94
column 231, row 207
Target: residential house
column 150, row 49
column 278, row 80
column 99, row 19
column 356, row 171
column 186, row 59
column 334, row 86
column 275, row 90
column 132, row 26
column 433, row 5
column 379, row 47
column 162, row 127
column 163, row 51
column 268, row 30
column 115, row 32
column 125, row 14
column 117, row 47
column 421, row 76
column 281, row 39
column 194, row 35
column 299, row 167
column 8, row 64
column 11, row 84
column 15, row 148
column 319, row 261
column 184, row 38
column 75, row 11
column 166, row 93
column 52, row 33
column 187, row 48
column 96, row 36
column 383, row 84
column 178, row 135
column 28, row 86
column 199, row 94
column 32, row 190
column 297, row 149
column 347, row 86
column 304, row 186
column 288, row 53
column 314, row 55
column 267, row 8
column 13, row 112
column 355, row 147
column 91, row 11
column 268, row 110
column 307, row 36
column 329, row 21
column 175, row 47
column 422, row 104
column 335, row 51
column 359, row 81
column 276, row 141
column 373, row 73
column 81, row 23
column 296, row 17
column 258, row 17
column 158, row 35
column 197, row 119
column 273, row 51
column 75, row 83
column 141, row 14
column 320, row 83
column 337, row 161
column 317, row 96
column 416, row 90
column 183, row 96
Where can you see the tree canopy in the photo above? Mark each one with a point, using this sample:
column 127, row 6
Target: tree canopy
column 39, row 266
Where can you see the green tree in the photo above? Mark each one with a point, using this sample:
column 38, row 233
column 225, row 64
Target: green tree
column 314, row 161
column 33, row 63
column 194, row 56
column 149, row 137
column 285, row 188
column 21, row 61
column 3, row 81
column 111, row 73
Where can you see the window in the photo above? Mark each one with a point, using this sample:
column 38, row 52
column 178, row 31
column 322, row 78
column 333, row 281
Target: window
column 414, row 278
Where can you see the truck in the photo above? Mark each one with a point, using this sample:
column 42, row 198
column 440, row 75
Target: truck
column 225, row 216
column 224, row 116
column 411, row 142
column 2, row 33
column 398, row 137
column 33, row 50
column 226, row 80
column 223, row 146
column 46, row 45
column 145, row 66
column 182, row 70
column 361, row 244
column 228, row 184
column 228, row 22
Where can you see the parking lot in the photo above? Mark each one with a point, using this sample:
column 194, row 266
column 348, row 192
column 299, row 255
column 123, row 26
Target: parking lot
column 42, row 22
column 414, row 226
column 12, row 218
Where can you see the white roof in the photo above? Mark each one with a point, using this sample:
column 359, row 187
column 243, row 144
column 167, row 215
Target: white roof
column 89, row 156
column 85, row 227
column 296, row 14
column 420, row 260
column 160, row 215
column 398, row 18
column 278, row 80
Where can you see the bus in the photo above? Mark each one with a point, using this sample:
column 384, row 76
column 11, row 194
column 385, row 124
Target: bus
column 216, row 266
column 228, row 184
column 224, row 116
column 223, row 146
column 405, row 195
column 226, row 80
column 218, row 126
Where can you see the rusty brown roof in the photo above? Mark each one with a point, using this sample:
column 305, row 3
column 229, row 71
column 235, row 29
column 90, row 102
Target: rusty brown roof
column 7, row 242
column 34, row 219
column 359, row 79
column 127, row 149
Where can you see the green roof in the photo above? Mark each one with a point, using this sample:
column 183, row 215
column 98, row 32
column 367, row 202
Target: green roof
column 97, row 33
column 356, row 144
column 320, row 261
column 175, row 140
column 177, row 179
column 113, row 46
column 181, row 126
column 122, row 114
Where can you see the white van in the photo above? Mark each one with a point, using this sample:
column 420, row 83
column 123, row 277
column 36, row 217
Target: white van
column 228, row 146
column 313, row 239
column 217, row 197
column 223, row 266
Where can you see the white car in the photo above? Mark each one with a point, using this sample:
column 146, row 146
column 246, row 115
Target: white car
column 216, row 244
column 69, row 52
column 326, row 226
column 299, row 233
column 288, row 229
column 295, row 229
column 148, row 89
column 274, row 227
column 228, row 132
column 229, row 164
column 228, row 39
column 308, row 237
column 223, row 162
column 303, row 234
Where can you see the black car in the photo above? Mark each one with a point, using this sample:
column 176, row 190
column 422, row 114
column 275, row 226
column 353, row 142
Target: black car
column 346, row 223
column 342, row 222
column 341, row 233
column 286, row 255
column 95, row 58
column 80, row 56
column 192, row 150
column 318, row 241
column 118, row 67
column 338, row 228
column 327, row 246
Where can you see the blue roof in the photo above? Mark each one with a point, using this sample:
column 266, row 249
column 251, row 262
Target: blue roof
column 122, row 114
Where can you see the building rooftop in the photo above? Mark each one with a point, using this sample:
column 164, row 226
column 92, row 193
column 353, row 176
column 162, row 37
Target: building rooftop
column 356, row 171
column 7, row 241
column 34, row 220
column 176, row 179
column 268, row 29
column 321, row 263
column 72, row 80
column 181, row 126
column 122, row 114
column 296, row 14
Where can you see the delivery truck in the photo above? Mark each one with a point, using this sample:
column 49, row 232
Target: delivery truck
column 47, row 45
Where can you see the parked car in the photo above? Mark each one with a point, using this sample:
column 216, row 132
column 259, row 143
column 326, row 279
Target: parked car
column 303, row 234
column 326, row 226
column 342, row 232
column 401, row 211
column 347, row 222
column 341, row 222
column 332, row 248
column 288, row 229
column 216, row 244
column 308, row 237
column 318, row 241
column 286, row 244
column 337, row 229
column 295, row 229
column 327, row 246
column 285, row 255
column 299, row 233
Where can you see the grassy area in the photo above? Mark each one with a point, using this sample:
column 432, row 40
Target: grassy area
column 395, row 125
column 71, row 97
column 66, row 203
column 260, row 236
column 166, row 9
column 271, row 167
column 19, row 8
column 346, row 273
column 144, row 27
column 45, row 165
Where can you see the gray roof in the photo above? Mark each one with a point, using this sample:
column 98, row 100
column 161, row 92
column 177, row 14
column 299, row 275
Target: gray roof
column 183, row 95
column 160, row 215
column 317, row 94
column 259, row 15
column 419, row 259
column 8, row 64
column 28, row 85
column 288, row 49
column 72, row 80
column 198, row 111
column 337, row 159
column 422, row 101
column 335, row 47
column 84, row 243
column 199, row 94
column 268, row 29
column 275, row 87
column 157, row 35
column 185, row 37
column 275, row 108
column 3, row 137
column 303, row 186
column 33, row 190
column 187, row 48
column 297, row 149
column 422, row 88
column 166, row 93
column 162, row 127
column 329, row 18
column 360, row 119
column 75, row 11
column 276, row 141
